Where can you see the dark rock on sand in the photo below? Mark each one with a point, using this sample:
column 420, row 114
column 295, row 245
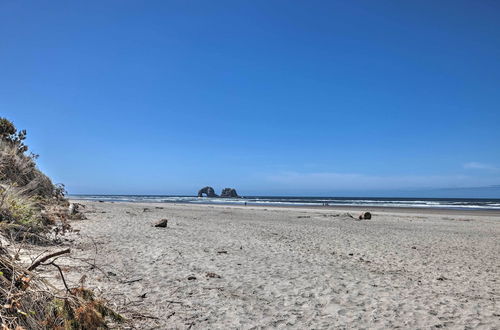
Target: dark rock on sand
column 365, row 216
column 229, row 193
column 208, row 191
column 213, row 275
column 162, row 223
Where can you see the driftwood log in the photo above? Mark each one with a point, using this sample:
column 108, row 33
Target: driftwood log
column 47, row 257
column 365, row 216
column 162, row 223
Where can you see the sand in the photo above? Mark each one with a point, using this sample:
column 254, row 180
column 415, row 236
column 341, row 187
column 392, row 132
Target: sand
column 226, row 267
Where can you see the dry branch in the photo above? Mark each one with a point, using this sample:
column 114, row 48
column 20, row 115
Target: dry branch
column 47, row 257
column 62, row 275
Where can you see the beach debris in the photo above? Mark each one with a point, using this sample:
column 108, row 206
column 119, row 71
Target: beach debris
column 414, row 247
column 303, row 216
column 95, row 211
column 75, row 211
column 131, row 281
column 74, row 208
column 143, row 295
column 146, row 210
column 82, row 280
column 347, row 215
column 365, row 216
column 222, row 252
column 441, row 278
column 162, row 223
column 38, row 262
column 212, row 275
column 191, row 278
column 159, row 207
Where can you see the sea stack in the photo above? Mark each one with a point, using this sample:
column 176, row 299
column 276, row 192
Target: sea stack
column 208, row 191
column 229, row 193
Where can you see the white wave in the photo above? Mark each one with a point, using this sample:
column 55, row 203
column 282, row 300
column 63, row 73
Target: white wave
column 454, row 204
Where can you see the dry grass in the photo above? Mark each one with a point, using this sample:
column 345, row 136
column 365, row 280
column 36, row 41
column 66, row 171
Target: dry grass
column 31, row 207
column 19, row 170
column 28, row 302
column 34, row 210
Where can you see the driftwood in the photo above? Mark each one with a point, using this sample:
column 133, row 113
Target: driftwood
column 62, row 275
column 47, row 257
column 162, row 223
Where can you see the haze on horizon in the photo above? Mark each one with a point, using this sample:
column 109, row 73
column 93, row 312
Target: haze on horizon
column 270, row 97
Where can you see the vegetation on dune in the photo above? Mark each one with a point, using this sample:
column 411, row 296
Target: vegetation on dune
column 30, row 204
column 33, row 209
column 18, row 167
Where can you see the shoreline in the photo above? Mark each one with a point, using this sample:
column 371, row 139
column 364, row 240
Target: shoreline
column 354, row 208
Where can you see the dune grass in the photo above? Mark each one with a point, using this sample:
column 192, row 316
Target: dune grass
column 34, row 210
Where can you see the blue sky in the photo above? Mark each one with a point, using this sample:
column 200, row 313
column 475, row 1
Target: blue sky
column 269, row 97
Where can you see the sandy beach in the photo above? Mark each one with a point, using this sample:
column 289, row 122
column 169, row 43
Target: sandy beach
column 227, row 267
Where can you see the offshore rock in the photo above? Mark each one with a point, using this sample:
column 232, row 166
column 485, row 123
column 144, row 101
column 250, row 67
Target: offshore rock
column 208, row 191
column 229, row 193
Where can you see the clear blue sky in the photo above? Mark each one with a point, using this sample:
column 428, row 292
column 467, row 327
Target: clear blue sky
column 269, row 97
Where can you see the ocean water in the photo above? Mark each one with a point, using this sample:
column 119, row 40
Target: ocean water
column 445, row 203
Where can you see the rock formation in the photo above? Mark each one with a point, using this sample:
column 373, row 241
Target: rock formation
column 229, row 193
column 208, row 191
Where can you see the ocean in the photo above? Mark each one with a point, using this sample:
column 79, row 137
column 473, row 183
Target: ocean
column 441, row 203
